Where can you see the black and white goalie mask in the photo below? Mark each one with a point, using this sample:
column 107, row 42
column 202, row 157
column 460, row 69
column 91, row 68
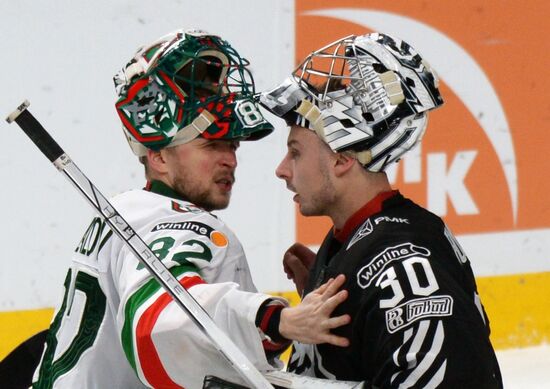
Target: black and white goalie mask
column 368, row 95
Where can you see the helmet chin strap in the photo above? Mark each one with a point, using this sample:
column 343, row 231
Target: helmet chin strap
column 184, row 135
column 392, row 85
column 194, row 129
column 363, row 157
column 313, row 114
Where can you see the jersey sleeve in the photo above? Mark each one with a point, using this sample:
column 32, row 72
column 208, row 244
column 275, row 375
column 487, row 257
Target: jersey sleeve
column 162, row 344
column 421, row 313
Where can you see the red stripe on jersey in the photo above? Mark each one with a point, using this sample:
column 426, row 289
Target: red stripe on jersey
column 267, row 316
column 369, row 209
column 151, row 364
column 274, row 347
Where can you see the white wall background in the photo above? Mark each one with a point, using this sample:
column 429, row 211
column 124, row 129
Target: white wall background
column 61, row 55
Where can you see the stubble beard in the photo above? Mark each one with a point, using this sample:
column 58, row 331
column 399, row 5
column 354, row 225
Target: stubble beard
column 186, row 186
column 320, row 201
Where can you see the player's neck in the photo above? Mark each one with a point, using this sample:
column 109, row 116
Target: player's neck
column 354, row 194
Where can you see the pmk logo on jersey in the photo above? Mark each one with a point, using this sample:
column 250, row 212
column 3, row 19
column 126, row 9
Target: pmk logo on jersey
column 367, row 227
column 417, row 309
column 388, row 219
column 369, row 272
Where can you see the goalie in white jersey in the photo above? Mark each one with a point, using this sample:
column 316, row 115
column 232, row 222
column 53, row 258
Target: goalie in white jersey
column 185, row 102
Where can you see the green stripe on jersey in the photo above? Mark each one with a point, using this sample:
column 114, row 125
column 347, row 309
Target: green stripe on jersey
column 136, row 301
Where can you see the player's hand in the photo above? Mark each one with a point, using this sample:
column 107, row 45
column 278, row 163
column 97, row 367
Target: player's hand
column 311, row 322
column 297, row 261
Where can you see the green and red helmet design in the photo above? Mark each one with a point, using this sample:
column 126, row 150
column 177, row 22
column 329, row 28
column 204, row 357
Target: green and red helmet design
column 184, row 85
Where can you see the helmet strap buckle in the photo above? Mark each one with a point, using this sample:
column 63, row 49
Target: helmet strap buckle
column 313, row 114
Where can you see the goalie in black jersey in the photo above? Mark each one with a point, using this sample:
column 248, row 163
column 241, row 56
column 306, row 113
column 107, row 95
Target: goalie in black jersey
column 355, row 107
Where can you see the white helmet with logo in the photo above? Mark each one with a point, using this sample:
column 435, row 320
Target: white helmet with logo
column 368, row 95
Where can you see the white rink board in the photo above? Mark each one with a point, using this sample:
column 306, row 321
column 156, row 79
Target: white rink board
column 506, row 253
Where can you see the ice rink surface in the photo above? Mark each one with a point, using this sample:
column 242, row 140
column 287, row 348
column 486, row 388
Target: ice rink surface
column 527, row 368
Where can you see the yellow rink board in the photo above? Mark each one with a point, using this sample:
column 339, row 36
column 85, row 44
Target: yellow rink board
column 17, row 326
column 517, row 306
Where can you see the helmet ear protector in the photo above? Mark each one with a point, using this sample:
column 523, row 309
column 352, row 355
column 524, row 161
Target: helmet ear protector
column 368, row 95
column 185, row 85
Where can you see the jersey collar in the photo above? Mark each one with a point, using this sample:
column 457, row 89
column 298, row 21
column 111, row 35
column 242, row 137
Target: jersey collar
column 161, row 188
column 370, row 208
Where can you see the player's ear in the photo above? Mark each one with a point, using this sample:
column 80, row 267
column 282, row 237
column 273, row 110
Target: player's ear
column 157, row 161
column 343, row 162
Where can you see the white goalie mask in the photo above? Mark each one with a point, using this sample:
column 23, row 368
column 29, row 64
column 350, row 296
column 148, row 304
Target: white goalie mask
column 368, row 95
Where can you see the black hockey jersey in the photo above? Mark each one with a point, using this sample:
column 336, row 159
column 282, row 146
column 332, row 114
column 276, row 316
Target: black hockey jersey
column 417, row 320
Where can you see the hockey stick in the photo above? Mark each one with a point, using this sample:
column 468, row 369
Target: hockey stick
column 49, row 147
column 293, row 381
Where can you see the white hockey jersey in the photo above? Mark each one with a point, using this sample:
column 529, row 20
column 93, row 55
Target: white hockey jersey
column 117, row 328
